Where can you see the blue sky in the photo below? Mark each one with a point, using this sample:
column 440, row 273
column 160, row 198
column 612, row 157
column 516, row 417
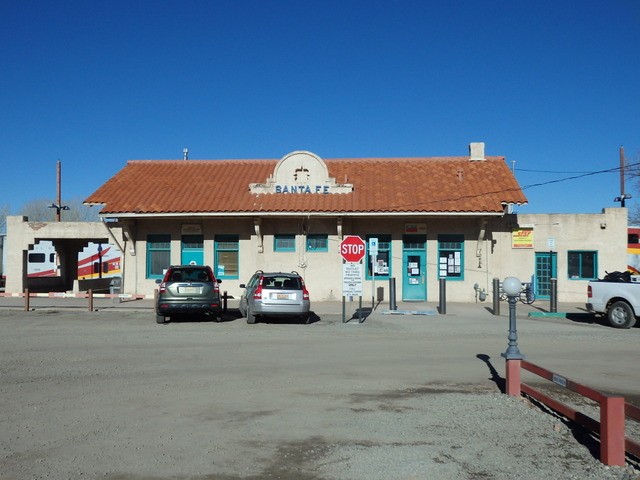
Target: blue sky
column 551, row 85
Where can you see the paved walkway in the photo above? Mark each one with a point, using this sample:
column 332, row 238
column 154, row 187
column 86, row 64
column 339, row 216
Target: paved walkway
column 382, row 310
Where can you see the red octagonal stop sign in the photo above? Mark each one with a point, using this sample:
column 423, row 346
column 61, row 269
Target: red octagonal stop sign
column 352, row 248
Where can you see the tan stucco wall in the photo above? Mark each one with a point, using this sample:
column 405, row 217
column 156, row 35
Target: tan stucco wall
column 488, row 250
column 68, row 238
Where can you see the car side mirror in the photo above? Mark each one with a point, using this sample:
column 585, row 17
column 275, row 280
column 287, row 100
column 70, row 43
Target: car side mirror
column 242, row 285
column 219, row 280
column 158, row 281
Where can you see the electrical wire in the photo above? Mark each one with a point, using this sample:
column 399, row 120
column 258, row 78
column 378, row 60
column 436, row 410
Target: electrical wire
column 578, row 176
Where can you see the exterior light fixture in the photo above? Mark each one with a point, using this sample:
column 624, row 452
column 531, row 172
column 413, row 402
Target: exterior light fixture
column 58, row 208
column 512, row 287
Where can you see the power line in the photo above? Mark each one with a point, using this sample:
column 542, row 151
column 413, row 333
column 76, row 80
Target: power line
column 609, row 170
column 543, row 171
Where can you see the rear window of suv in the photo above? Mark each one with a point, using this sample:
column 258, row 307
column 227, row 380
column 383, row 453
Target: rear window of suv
column 189, row 275
column 281, row 283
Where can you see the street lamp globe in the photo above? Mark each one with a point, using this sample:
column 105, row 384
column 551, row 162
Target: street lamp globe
column 512, row 286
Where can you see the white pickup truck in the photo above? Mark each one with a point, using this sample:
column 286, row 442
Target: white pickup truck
column 617, row 296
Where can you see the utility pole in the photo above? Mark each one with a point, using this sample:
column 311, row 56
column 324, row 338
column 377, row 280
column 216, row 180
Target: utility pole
column 58, row 205
column 623, row 196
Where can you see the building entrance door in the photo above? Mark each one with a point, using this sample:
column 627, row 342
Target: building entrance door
column 192, row 250
column 414, row 285
column 546, row 269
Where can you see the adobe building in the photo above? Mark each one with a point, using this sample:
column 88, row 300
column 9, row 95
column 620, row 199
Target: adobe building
column 434, row 218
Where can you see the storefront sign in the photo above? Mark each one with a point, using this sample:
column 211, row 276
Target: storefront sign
column 324, row 189
column 522, row 238
column 191, row 229
column 301, row 173
column 415, row 228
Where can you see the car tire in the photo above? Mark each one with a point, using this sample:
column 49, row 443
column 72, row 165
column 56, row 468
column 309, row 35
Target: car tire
column 620, row 315
column 251, row 318
column 161, row 319
column 305, row 318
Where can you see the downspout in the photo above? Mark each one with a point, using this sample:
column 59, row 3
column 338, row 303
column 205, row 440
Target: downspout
column 257, row 223
column 481, row 235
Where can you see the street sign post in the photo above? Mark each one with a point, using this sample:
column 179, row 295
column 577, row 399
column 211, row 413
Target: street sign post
column 352, row 248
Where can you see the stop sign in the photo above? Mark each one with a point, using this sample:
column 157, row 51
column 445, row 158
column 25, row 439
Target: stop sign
column 352, row 248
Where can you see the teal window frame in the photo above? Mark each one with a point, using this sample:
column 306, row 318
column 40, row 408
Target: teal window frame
column 317, row 242
column 157, row 243
column 448, row 246
column 580, row 258
column 284, row 242
column 384, row 253
column 225, row 245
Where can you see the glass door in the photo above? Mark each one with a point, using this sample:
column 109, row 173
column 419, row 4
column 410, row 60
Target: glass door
column 546, row 269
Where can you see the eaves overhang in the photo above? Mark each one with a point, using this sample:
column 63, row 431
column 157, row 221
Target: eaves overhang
column 298, row 214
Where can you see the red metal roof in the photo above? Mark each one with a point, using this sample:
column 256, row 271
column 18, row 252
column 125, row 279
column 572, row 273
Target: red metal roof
column 380, row 185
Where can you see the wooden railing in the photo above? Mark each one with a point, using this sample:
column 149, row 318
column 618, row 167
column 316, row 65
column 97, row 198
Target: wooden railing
column 613, row 410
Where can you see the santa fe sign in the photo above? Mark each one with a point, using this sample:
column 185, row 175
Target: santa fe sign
column 352, row 248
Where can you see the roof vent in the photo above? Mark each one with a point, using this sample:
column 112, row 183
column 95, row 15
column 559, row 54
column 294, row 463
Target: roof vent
column 185, row 154
column 476, row 151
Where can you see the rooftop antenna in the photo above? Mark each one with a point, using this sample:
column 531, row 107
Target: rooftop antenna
column 185, row 154
column 623, row 196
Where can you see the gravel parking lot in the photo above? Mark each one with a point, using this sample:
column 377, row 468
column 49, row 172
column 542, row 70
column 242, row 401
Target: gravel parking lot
column 112, row 395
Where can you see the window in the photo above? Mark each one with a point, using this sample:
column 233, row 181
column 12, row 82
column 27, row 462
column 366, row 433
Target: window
column 226, row 250
column 36, row 258
column 192, row 242
column 317, row 242
column 451, row 257
column 583, row 265
column 158, row 254
column 382, row 261
column 284, row 243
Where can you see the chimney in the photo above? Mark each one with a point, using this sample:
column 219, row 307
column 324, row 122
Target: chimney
column 476, row 151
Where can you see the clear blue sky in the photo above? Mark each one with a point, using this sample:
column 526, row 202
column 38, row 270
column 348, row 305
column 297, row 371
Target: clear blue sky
column 551, row 85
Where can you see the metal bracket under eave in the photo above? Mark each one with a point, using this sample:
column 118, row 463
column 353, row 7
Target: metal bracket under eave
column 257, row 223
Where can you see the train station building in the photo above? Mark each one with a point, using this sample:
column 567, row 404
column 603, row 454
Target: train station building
column 433, row 217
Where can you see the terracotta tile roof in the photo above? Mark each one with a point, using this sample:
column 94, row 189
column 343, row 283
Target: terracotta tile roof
column 385, row 185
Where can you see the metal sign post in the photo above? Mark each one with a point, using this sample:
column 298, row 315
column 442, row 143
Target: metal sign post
column 352, row 250
column 373, row 251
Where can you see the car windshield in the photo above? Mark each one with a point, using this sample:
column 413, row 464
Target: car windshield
column 281, row 283
column 189, row 275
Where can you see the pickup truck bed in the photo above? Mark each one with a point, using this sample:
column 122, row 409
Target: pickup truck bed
column 616, row 298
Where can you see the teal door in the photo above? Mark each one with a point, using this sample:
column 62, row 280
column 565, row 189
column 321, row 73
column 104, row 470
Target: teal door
column 414, row 285
column 546, row 269
column 192, row 252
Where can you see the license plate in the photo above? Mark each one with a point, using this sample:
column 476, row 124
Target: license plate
column 188, row 289
column 283, row 296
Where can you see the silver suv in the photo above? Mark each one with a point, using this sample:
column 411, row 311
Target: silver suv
column 188, row 290
column 274, row 294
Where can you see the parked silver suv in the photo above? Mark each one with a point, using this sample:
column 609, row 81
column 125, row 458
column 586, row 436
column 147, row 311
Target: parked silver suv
column 188, row 290
column 275, row 294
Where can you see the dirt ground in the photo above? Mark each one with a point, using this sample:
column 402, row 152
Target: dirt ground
column 113, row 395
